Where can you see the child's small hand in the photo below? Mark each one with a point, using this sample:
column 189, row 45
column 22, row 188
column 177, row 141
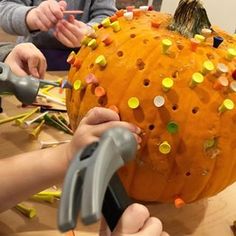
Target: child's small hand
column 46, row 15
column 26, row 59
column 70, row 32
column 93, row 125
column 135, row 221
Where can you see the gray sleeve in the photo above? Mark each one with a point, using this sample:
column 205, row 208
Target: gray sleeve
column 101, row 9
column 5, row 49
column 13, row 14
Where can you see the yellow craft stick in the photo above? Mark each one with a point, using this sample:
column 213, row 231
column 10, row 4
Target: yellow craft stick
column 50, row 193
column 27, row 211
column 46, row 198
column 20, row 121
column 11, row 118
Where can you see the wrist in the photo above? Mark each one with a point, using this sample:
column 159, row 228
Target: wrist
column 30, row 22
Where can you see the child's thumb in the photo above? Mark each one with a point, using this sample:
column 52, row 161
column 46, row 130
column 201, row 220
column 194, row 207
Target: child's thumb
column 132, row 220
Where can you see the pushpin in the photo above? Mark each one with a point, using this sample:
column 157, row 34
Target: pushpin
column 20, row 121
column 217, row 41
column 106, row 22
column 99, row 91
column 233, row 86
column 179, row 202
column 231, row 54
column 234, row 74
column 208, row 67
column 95, row 26
column 209, row 143
column 56, row 194
column 27, row 211
column 221, row 69
column 165, row 148
column 155, row 23
column 206, row 32
column 166, row 44
column 197, row 78
column 144, row 8
column 107, row 40
column 120, row 13
column 71, row 58
column 77, row 63
column 159, row 101
column 91, row 79
column 86, row 40
column 113, row 18
column 35, row 132
column 137, row 12
column 93, row 44
column 129, row 15
column 115, row 26
column 199, row 37
column 78, row 85
column 221, row 83
column 150, row 8
column 101, row 61
column 172, row 127
column 130, row 8
column 227, row 105
column 133, row 102
column 194, row 44
column 167, row 84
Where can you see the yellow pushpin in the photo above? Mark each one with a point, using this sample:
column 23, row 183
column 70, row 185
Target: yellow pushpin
column 95, row 26
column 93, row 44
column 208, row 67
column 231, row 53
column 86, row 40
column 197, row 78
column 101, row 61
column 27, row 211
column 167, row 84
column 56, row 194
column 199, row 37
column 133, row 103
column 115, row 26
column 166, row 44
column 78, row 85
column 106, row 22
column 46, row 198
column 165, row 148
column 227, row 105
column 20, row 121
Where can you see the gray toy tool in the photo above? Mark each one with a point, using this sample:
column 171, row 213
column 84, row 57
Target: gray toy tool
column 24, row 88
column 91, row 185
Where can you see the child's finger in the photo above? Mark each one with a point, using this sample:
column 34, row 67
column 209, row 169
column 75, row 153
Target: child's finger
column 132, row 220
column 152, row 226
column 164, row 234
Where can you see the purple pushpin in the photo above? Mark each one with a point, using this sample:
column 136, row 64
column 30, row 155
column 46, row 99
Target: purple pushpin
column 217, row 41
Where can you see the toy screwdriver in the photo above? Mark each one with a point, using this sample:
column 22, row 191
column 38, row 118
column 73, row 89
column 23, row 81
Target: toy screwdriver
column 91, row 185
column 24, row 88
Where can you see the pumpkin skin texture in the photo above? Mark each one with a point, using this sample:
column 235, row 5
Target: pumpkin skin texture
column 202, row 159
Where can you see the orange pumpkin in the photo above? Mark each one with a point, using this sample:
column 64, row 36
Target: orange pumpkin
column 174, row 77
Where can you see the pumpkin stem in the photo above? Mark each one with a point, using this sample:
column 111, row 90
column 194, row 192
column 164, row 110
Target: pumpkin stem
column 190, row 18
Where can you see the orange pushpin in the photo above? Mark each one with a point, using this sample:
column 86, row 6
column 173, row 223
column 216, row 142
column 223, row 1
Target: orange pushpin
column 194, row 44
column 99, row 91
column 113, row 18
column 179, row 202
column 107, row 40
column 220, row 83
column 120, row 13
column 77, row 63
column 155, row 23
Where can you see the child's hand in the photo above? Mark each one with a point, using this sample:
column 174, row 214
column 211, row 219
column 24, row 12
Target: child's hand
column 26, row 59
column 46, row 15
column 93, row 125
column 135, row 221
column 70, row 32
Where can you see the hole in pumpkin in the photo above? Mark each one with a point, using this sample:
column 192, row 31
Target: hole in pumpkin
column 145, row 41
column 146, row 82
column 175, row 107
column 103, row 101
column 120, row 54
column 180, row 46
column 151, row 127
column 132, row 36
column 132, row 28
column 140, row 64
column 157, row 37
column 91, row 66
column 195, row 110
column 188, row 173
column 210, row 56
column 175, row 74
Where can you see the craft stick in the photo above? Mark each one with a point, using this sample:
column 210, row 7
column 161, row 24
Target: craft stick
column 27, row 211
column 11, row 118
column 72, row 12
column 44, row 144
